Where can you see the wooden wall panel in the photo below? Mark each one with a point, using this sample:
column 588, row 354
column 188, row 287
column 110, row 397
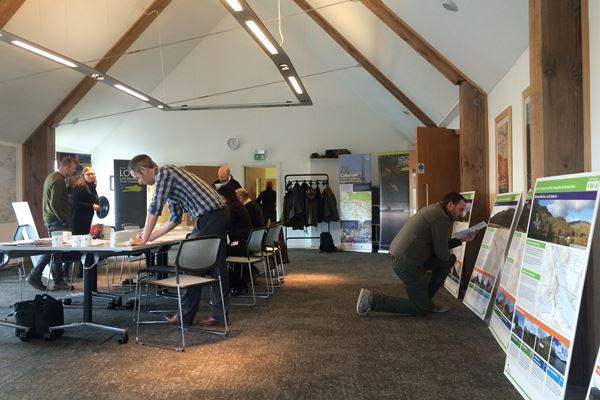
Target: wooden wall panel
column 473, row 164
column 38, row 162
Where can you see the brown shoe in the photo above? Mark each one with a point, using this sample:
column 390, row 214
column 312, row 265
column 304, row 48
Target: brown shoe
column 62, row 285
column 210, row 321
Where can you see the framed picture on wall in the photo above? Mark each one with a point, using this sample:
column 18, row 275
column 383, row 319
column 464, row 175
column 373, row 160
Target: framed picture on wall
column 504, row 151
column 527, row 137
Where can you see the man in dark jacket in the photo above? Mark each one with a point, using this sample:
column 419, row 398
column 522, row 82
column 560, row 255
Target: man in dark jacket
column 256, row 215
column 55, row 209
column 422, row 245
column 267, row 200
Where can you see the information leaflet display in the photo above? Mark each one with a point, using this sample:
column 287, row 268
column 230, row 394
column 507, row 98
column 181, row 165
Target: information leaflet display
column 593, row 392
column 355, row 202
column 492, row 253
column 559, row 235
column 452, row 283
column 504, row 303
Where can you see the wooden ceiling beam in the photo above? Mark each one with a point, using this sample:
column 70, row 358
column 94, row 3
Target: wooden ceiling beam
column 416, row 41
column 106, row 62
column 8, row 8
column 365, row 63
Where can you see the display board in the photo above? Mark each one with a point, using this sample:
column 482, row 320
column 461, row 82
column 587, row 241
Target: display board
column 593, row 392
column 394, row 194
column 452, row 282
column 355, row 202
column 504, row 302
column 492, row 253
column 559, row 235
column 130, row 197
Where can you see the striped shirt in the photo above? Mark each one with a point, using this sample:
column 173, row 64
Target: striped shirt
column 183, row 192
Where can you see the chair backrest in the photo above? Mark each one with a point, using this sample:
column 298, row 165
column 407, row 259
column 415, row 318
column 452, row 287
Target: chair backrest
column 255, row 240
column 198, row 254
column 273, row 234
column 25, row 232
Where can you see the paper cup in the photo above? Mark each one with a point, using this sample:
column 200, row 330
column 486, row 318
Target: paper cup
column 66, row 236
column 75, row 241
column 57, row 241
column 86, row 240
column 106, row 232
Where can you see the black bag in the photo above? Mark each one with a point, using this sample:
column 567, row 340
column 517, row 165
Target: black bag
column 326, row 243
column 39, row 314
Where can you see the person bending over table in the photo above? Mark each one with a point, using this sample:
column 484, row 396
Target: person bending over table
column 185, row 192
column 421, row 246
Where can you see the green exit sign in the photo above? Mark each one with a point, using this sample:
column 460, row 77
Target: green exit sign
column 259, row 157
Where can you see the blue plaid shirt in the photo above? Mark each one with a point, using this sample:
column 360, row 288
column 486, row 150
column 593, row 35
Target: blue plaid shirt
column 183, row 192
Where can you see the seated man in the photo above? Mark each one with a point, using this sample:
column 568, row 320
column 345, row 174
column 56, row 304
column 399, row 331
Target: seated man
column 256, row 214
column 421, row 245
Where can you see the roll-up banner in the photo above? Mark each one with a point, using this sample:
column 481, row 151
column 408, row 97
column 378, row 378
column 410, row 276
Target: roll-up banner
column 492, row 253
column 130, row 197
column 394, row 194
column 557, row 250
column 355, row 202
column 504, row 302
column 593, row 392
column 452, row 282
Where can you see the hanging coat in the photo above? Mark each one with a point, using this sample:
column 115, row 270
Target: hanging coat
column 330, row 211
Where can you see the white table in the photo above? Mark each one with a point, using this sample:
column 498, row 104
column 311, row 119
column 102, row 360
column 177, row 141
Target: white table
column 90, row 256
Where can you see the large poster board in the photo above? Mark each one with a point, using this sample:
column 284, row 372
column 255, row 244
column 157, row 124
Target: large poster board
column 559, row 235
column 452, row 282
column 492, row 253
column 503, row 309
column 355, row 202
column 130, row 197
column 394, row 194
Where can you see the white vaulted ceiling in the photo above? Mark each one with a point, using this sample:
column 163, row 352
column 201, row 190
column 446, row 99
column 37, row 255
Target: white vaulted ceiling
column 483, row 40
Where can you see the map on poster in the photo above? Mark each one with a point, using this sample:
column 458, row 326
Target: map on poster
column 452, row 282
column 504, row 303
column 492, row 253
column 593, row 392
column 355, row 202
column 557, row 249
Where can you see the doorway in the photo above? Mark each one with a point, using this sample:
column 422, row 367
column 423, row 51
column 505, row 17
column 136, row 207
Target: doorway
column 256, row 178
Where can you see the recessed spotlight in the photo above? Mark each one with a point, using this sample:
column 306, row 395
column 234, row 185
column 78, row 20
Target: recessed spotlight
column 97, row 77
column 284, row 67
column 160, row 106
column 450, row 5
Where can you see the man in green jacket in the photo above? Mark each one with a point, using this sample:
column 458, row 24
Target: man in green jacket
column 55, row 208
column 421, row 246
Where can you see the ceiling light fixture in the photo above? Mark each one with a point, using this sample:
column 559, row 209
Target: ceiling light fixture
column 295, row 84
column 82, row 68
column 284, row 67
column 235, row 5
column 261, row 36
column 43, row 53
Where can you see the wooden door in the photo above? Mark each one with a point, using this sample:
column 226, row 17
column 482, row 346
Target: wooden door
column 439, row 151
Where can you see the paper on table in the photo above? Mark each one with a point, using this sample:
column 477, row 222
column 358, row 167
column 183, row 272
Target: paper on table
column 475, row 228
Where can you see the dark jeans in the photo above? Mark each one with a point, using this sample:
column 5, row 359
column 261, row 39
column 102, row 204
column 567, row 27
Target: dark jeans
column 215, row 223
column 420, row 286
column 56, row 258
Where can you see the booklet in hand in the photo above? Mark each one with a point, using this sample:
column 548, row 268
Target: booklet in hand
column 464, row 233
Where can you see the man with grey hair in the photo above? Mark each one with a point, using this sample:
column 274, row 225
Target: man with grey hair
column 224, row 177
column 185, row 192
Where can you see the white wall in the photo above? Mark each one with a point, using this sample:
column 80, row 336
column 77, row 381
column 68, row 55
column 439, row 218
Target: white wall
column 508, row 92
column 339, row 118
column 7, row 230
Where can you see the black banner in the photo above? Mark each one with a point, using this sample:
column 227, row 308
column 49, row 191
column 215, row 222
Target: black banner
column 130, row 197
column 394, row 189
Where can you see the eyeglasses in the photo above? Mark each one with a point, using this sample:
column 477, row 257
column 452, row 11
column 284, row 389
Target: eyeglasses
column 90, row 173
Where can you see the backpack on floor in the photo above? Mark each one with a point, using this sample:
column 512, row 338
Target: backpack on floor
column 326, row 243
column 37, row 315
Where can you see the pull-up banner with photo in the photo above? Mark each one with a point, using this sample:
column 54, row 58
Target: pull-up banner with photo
column 593, row 392
column 394, row 194
column 452, row 282
column 559, row 236
column 492, row 253
column 130, row 197
column 504, row 303
column 355, row 202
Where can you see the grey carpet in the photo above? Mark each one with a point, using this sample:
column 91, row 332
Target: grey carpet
column 306, row 342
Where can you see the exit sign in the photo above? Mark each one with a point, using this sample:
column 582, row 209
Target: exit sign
column 259, row 155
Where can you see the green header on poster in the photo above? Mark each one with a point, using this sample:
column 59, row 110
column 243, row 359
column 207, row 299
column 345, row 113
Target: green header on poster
column 468, row 195
column 530, row 194
column 506, row 197
column 568, row 185
column 535, row 243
